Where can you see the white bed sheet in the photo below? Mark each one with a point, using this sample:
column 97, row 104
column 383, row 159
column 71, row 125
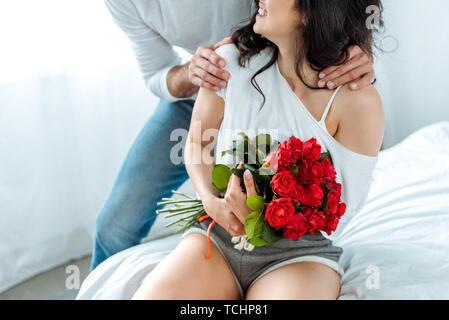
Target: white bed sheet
column 397, row 247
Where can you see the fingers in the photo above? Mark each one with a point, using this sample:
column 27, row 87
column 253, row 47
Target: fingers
column 236, row 199
column 205, row 70
column 347, row 73
column 227, row 40
column 358, row 65
column 363, row 81
column 231, row 223
column 210, row 76
column 249, row 184
column 210, row 55
column 234, row 226
column 213, row 70
column 234, row 184
column 324, row 75
column 197, row 81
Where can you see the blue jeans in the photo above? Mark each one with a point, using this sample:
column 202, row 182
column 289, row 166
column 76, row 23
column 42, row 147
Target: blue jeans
column 145, row 177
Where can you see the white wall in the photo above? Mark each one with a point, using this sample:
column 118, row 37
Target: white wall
column 72, row 101
column 413, row 79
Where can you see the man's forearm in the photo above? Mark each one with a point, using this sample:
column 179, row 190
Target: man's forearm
column 178, row 82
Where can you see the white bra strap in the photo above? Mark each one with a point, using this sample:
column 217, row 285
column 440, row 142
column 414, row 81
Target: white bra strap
column 328, row 107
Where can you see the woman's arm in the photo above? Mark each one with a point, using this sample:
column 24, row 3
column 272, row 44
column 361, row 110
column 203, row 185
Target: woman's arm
column 207, row 116
column 361, row 120
column 206, row 120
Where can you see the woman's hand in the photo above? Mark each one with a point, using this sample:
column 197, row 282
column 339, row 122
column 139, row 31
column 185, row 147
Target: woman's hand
column 236, row 198
column 205, row 68
column 219, row 210
column 359, row 67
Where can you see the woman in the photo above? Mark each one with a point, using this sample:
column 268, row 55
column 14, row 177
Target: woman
column 285, row 47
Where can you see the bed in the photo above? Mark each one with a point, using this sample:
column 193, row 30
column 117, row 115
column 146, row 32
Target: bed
column 397, row 247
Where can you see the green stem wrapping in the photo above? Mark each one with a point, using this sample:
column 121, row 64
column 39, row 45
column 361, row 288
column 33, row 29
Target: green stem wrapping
column 183, row 194
column 192, row 218
column 174, row 201
column 184, row 211
column 178, row 209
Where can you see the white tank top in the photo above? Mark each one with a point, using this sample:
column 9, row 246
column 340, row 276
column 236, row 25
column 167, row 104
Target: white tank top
column 283, row 116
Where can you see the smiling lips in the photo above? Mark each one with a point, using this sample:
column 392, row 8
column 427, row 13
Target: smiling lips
column 262, row 11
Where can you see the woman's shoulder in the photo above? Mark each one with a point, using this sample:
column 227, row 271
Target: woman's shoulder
column 361, row 121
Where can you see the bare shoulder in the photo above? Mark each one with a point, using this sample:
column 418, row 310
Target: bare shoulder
column 361, row 120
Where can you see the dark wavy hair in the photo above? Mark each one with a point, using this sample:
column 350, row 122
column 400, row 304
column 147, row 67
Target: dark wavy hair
column 323, row 39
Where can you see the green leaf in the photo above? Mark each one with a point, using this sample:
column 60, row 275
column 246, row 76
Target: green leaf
column 220, row 177
column 299, row 207
column 270, row 235
column 256, row 203
column 254, row 225
column 326, row 155
column 238, row 172
column 257, row 242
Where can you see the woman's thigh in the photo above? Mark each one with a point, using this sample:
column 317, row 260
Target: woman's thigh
column 186, row 274
column 297, row 281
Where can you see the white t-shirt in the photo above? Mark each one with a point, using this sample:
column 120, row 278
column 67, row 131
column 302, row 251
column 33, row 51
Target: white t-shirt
column 284, row 113
column 154, row 26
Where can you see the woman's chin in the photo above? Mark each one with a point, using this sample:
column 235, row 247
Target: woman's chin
column 257, row 30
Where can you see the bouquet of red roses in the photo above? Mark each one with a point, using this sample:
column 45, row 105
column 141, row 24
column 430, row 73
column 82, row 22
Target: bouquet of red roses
column 296, row 186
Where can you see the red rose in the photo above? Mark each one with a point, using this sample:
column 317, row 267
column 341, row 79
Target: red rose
column 317, row 172
column 311, row 150
column 341, row 209
column 310, row 195
column 279, row 212
column 329, row 170
column 284, row 156
column 332, row 202
column 297, row 227
column 332, row 223
column 295, row 146
column 284, row 184
column 316, row 219
column 304, row 175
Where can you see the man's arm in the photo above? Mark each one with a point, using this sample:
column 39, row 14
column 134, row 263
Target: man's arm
column 160, row 65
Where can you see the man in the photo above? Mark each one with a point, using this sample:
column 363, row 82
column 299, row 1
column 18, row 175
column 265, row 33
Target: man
column 147, row 174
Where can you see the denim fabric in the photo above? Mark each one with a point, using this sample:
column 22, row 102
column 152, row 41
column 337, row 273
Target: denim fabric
column 145, row 177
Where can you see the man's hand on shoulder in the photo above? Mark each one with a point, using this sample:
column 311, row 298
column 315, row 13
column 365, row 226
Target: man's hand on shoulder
column 358, row 71
column 206, row 67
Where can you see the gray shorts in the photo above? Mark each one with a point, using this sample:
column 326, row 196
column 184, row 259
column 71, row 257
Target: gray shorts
column 249, row 266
